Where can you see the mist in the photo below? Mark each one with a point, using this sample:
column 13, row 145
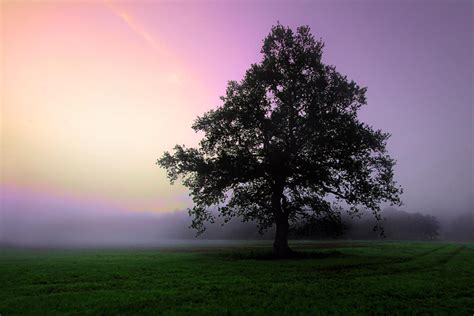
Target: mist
column 79, row 139
column 48, row 221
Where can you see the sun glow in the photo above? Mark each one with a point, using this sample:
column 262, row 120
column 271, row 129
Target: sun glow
column 94, row 91
column 89, row 109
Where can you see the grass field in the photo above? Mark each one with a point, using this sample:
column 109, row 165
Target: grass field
column 329, row 278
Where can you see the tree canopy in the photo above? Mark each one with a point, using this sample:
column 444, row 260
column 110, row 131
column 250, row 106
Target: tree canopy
column 286, row 144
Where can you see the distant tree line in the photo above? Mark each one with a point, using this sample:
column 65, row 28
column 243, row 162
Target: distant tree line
column 394, row 225
column 461, row 228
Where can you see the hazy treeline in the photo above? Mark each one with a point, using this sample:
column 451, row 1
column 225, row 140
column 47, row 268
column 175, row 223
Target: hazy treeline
column 148, row 229
column 395, row 224
column 461, row 228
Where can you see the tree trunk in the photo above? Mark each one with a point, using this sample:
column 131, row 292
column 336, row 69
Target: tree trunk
column 280, row 244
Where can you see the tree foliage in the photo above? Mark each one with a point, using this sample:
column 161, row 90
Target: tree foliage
column 286, row 143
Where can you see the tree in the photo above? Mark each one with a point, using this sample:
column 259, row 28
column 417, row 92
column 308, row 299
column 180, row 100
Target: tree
column 285, row 144
column 326, row 226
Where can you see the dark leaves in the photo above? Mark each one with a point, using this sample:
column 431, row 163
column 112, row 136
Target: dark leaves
column 290, row 125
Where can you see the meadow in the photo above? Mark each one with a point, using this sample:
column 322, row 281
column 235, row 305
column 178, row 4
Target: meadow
column 356, row 277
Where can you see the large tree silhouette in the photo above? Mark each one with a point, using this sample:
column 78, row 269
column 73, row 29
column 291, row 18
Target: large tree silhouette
column 285, row 144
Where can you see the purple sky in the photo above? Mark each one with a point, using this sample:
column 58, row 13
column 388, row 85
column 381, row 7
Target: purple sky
column 415, row 58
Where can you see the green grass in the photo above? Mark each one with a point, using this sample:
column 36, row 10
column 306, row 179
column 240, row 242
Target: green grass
column 332, row 278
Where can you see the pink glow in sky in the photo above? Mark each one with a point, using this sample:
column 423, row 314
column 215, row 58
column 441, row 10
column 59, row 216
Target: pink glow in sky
column 94, row 91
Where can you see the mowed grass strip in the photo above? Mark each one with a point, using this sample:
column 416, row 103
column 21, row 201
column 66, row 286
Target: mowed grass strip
column 328, row 278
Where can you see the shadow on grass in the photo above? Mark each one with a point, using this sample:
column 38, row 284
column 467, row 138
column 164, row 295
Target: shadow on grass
column 268, row 255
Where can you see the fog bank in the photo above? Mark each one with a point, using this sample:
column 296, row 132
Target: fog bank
column 42, row 220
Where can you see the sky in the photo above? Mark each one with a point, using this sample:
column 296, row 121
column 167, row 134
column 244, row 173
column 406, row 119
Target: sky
column 93, row 92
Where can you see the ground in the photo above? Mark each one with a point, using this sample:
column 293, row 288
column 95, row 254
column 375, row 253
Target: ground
column 347, row 278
